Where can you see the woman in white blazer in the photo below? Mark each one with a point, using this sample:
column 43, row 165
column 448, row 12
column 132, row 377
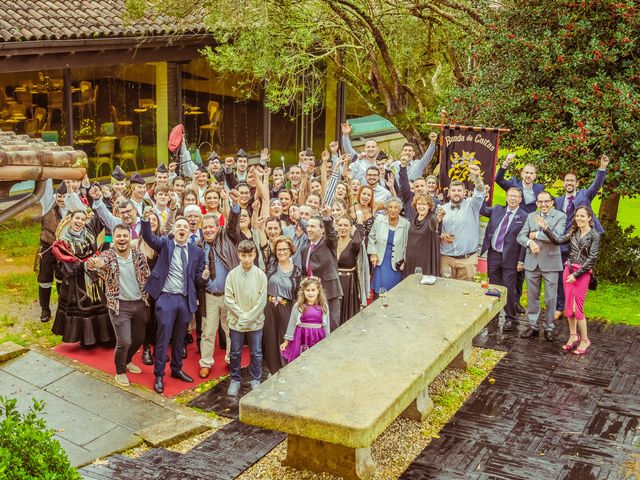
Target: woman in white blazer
column 387, row 246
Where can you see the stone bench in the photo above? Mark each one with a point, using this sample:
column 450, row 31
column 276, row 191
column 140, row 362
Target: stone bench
column 337, row 399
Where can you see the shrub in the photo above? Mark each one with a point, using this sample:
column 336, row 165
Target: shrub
column 619, row 258
column 28, row 450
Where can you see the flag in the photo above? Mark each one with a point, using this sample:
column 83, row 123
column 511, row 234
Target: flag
column 462, row 146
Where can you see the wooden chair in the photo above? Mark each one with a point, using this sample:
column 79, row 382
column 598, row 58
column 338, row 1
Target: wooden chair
column 128, row 152
column 122, row 126
column 215, row 118
column 40, row 114
column 55, row 101
column 26, row 99
column 104, row 154
column 31, row 127
column 88, row 99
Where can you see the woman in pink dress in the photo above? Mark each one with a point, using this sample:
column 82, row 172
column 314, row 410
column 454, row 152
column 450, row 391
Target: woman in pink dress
column 309, row 321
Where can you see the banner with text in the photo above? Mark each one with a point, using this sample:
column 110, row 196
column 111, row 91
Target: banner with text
column 462, row 146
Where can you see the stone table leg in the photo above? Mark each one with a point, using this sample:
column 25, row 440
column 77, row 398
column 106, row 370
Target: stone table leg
column 463, row 358
column 318, row 456
column 419, row 408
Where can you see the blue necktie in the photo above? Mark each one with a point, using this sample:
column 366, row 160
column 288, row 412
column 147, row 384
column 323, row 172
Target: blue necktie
column 183, row 257
column 503, row 232
column 193, row 238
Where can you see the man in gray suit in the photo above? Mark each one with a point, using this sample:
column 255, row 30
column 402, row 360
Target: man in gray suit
column 543, row 261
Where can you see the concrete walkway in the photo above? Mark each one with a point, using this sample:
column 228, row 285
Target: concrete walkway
column 92, row 417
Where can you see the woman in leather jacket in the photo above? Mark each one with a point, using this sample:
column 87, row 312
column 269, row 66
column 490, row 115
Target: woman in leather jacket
column 584, row 245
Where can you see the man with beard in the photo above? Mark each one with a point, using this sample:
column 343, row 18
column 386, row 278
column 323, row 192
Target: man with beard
column 460, row 228
column 177, row 273
column 567, row 203
column 380, row 194
column 125, row 272
column 369, row 159
column 529, row 189
column 415, row 168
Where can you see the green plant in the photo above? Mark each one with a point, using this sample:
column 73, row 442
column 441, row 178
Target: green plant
column 27, row 447
column 619, row 258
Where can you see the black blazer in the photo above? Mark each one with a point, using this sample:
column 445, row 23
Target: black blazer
column 324, row 263
column 512, row 251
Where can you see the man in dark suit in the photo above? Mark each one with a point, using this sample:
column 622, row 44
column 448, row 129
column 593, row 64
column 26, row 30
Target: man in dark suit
column 319, row 259
column 542, row 263
column 178, row 270
column 529, row 191
column 505, row 257
column 567, row 203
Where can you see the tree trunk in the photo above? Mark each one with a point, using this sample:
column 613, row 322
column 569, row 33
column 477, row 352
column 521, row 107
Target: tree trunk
column 609, row 209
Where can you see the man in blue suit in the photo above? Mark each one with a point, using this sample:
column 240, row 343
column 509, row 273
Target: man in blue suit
column 178, row 270
column 567, row 203
column 530, row 193
column 529, row 189
column 505, row 255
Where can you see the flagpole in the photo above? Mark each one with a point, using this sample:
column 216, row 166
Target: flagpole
column 467, row 127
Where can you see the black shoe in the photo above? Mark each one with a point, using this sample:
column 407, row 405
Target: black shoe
column 45, row 316
column 520, row 309
column 188, row 338
column 508, row 326
column 548, row 335
column 530, row 333
column 147, row 358
column 184, row 352
column 180, row 375
column 158, row 386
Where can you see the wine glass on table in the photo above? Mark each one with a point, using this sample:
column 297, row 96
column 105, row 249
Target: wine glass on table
column 382, row 293
column 418, row 272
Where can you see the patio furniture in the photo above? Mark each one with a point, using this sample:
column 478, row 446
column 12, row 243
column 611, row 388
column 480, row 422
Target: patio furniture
column 213, row 127
column 128, row 151
column 122, row 126
column 104, row 156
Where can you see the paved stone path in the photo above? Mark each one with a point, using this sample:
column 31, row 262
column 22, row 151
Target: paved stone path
column 92, row 418
column 548, row 415
column 223, row 456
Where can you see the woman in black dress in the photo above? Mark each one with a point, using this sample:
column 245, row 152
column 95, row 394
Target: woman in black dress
column 423, row 244
column 284, row 278
column 350, row 239
column 82, row 314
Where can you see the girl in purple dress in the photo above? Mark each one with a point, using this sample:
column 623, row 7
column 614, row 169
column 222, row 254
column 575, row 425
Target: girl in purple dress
column 309, row 321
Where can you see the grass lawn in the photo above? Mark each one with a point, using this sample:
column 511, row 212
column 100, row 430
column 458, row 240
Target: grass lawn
column 617, row 303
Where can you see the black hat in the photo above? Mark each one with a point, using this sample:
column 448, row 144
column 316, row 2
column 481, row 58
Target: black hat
column 202, row 168
column 213, row 155
column 162, row 168
column 62, row 188
column 137, row 178
column 118, row 174
column 382, row 155
column 242, row 153
column 309, row 153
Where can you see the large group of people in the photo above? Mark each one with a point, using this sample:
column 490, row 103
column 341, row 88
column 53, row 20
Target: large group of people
column 278, row 259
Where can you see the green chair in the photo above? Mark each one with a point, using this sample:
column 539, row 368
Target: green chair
column 128, row 152
column 104, row 153
column 50, row 136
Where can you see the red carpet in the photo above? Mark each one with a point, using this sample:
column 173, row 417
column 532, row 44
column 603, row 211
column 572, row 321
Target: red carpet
column 102, row 359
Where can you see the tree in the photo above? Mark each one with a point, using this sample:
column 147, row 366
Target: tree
column 395, row 54
column 565, row 77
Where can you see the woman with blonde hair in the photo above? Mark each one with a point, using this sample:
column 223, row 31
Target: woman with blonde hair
column 423, row 242
column 309, row 320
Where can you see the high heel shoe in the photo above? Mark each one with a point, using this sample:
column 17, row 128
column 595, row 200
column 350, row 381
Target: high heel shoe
column 570, row 346
column 582, row 351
